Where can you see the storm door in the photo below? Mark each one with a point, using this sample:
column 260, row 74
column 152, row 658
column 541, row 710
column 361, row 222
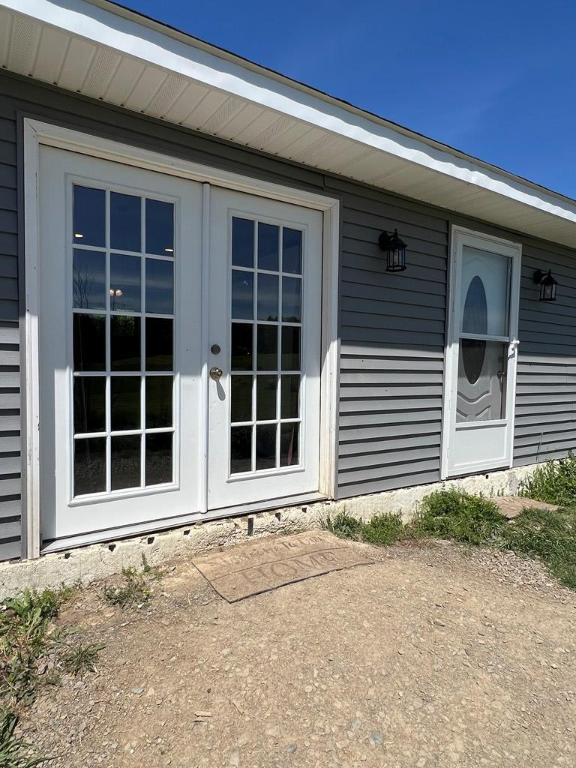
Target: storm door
column 481, row 355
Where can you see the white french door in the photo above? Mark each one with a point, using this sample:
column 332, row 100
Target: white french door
column 264, row 349
column 135, row 310
column 481, row 354
column 119, row 344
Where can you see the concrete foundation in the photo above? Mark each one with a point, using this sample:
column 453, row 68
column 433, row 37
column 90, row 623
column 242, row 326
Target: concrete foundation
column 96, row 561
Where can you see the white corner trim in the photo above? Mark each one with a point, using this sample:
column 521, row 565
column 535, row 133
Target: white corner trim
column 36, row 134
column 103, row 26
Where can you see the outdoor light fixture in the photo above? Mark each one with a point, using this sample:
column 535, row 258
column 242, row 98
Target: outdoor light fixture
column 547, row 285
column 395, row 250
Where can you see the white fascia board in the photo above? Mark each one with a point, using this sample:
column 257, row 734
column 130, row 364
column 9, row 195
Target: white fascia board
column 166, row 52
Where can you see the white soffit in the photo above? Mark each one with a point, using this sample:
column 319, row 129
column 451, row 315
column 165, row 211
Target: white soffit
column 109, row 53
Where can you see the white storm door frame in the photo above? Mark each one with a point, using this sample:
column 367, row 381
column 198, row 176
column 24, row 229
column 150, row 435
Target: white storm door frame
column 37, row 133
column 460, row 237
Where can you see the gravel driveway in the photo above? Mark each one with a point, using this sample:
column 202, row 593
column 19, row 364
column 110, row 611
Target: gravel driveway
column 433, row 656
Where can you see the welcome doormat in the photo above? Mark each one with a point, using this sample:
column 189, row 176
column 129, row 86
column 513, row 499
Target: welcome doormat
column 268, row 563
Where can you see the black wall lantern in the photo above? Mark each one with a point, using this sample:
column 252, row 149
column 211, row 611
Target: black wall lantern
column 395, row 250
column 547, row 285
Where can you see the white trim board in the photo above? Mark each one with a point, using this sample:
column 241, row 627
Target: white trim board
column 38, row 133
column 212, row 87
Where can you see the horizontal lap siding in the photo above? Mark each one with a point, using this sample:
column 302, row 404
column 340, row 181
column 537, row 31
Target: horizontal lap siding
column 546, row 384
column 392, row 346
column 10, row 458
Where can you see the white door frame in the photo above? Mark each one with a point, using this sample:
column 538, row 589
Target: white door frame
column 460, row 236
column 38, row 133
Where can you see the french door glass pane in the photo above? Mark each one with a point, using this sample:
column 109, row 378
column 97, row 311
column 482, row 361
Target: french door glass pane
column 125, row 218
column 89, row 225
column 269, row 282
column 111, row 337
column 89, row 404
column 125, row 402
column 125, row 462
column 89, row 289
column 159, row 461
column 89, row 465
column 159, row 228
column 125, row 279
column 482, row 373
column 89, row 342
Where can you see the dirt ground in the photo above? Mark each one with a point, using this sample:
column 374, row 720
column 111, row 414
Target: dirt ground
column 433, row 656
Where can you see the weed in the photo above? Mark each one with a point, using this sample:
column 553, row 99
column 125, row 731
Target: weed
column 553, row 482
column 14, row 751
column 383, row 529
column 454, row 514
column 26, row 635
column 549, row 535
column 345, row 526
column 79, row 658
column 135, row 590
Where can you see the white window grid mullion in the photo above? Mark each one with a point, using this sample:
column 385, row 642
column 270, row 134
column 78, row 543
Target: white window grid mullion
column 108, row 342
column 142, row 342
column 255, row 347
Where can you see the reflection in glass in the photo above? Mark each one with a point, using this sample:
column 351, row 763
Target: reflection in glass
column 159, row 458
column 292, row 251
column 266, row 387
column 290, row 348
column 158, row 401
column 289, row 434
column 159, row 344
column 125, row 217
column 241, row 398
column 159, row 287
column 475, row 316
column 89, row 216
column 241, row 352
column 125, row 461
column 482, row 372
column 291, row 299
column 289, row 397
column 267, row 297
column 125, row 402
column 125, row 280
column 268, row 244
column 89, row 466
column 242, row 242
column 240, row 449
column 267, row 357
column 159, row 227
column 89, row 404
column 124, row 343
column 89, row 342
column 89, row 279
column 242, row 295
column 265, row 446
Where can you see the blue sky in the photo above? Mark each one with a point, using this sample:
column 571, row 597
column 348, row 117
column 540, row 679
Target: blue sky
column 495, row 79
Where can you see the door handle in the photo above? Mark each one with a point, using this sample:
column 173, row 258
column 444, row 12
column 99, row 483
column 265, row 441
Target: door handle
column 216, row 373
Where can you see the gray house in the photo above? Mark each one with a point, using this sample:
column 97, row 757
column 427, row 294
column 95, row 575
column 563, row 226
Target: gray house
column 223, row 291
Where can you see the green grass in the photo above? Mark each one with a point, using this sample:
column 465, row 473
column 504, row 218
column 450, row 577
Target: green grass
column 553, row 482
column 546, row 535
column 14, row 751
column 78, row 658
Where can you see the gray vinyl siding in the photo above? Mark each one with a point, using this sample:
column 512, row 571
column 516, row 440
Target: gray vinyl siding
column 391, row 326
column 10, row 458
column 546, row 383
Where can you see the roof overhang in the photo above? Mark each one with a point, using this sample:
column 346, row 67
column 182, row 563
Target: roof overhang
column 112, row 54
